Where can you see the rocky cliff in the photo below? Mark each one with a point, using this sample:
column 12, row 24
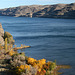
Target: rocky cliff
column 49, row 11
column 1, row 35
column 4, row 35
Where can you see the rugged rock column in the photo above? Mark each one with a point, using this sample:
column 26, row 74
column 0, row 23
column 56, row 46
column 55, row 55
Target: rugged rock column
column 1, row 35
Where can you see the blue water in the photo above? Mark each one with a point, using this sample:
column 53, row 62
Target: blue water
column 49, row 38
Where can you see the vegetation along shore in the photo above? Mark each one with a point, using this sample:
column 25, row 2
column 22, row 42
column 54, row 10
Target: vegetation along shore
column 14, row 63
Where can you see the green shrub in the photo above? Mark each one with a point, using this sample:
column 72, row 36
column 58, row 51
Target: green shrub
column 52, row 66
column 7, row 35
column 5, row 44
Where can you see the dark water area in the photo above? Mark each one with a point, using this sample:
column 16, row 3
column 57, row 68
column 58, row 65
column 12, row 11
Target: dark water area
column 49, row 38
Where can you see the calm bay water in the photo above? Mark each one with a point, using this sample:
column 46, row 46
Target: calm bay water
column 49, row 38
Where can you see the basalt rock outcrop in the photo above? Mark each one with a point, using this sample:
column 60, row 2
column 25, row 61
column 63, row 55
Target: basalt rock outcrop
column 47, row 11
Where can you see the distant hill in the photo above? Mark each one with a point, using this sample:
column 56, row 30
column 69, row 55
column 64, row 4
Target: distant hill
column 48, row 11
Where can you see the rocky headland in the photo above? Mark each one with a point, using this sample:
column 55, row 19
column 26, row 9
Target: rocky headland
column 46, row 11
column 14, row 63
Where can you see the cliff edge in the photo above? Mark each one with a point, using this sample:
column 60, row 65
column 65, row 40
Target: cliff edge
column 4, row 35
column 1, row 35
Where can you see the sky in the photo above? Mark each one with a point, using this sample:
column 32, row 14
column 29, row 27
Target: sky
column 15, row 3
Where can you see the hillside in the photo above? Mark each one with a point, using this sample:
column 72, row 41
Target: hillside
column 48, row 11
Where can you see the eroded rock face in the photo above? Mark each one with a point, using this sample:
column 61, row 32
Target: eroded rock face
column 1, row 40
column 1, row 30
column 4, row 35
column 1, row 35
